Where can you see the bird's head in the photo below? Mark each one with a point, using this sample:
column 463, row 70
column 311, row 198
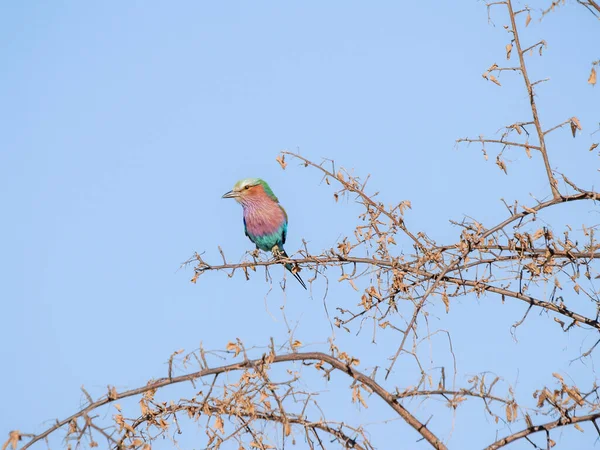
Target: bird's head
column 249, row 189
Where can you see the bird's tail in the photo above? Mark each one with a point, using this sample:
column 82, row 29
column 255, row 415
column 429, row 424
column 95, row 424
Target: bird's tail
column 288, row 266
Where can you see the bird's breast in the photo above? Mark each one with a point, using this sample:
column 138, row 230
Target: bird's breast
column 265, row 220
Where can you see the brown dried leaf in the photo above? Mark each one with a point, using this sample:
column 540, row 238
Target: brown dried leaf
column 508, row 50
column 528, row 19
column 281, row 160
column 538, row 234
column 575, row 125
column 558, row 376
column 112, row 393
column 13, row 440
column 592, row 78
column 509, row 413
column 543, row 396
column 593, row 147
column 573, row 392
column 356, row 396
column 493, row 79
column 403, row 205
column 528, row 151
column 352, row 284
column 501, row 164
column 233, row 347
column 446, row 301
column 219, row 424
column 296, row 344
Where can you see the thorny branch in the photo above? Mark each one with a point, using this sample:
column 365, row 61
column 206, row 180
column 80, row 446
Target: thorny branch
column 257, row 366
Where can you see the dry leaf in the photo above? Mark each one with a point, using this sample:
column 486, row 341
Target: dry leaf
column 592, row 78
column 528, row 19
column 538, row 234
column 219, row 424
column 575, row 125
column 509, row 413
column 446, row 301
column 356, row 396
column 573, row 392
column 501, row 164
column 558, row 376
column 593, row 147
column 508, row 50
column 296, row 344
column 13, row 440
column 112, row 393
column 232, row 347
column 494, row 80
column 281, row 160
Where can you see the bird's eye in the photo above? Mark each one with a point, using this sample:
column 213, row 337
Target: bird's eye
column 246, row 187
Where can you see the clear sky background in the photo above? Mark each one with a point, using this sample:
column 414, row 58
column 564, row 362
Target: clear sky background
column 123, row 123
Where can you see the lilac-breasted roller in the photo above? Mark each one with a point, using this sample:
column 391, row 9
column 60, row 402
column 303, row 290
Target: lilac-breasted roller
column 265, row 220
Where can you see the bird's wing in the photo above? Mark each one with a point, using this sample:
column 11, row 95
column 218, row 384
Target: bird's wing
column 285, row 223
column 245, row 227
column 284, row 233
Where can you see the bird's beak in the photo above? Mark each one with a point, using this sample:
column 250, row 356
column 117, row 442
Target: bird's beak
column 231, row 194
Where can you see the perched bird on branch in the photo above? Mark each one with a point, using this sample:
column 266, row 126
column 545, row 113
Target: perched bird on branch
column 265, row 220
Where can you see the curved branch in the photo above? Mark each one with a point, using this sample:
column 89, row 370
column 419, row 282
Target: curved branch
column 307, row 356
column 256, row 415
column 563, row 421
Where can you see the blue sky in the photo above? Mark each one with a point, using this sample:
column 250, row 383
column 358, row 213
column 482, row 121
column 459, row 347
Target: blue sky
column 123, row 123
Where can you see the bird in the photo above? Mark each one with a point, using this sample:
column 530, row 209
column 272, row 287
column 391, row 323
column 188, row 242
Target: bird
column 265, row 220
